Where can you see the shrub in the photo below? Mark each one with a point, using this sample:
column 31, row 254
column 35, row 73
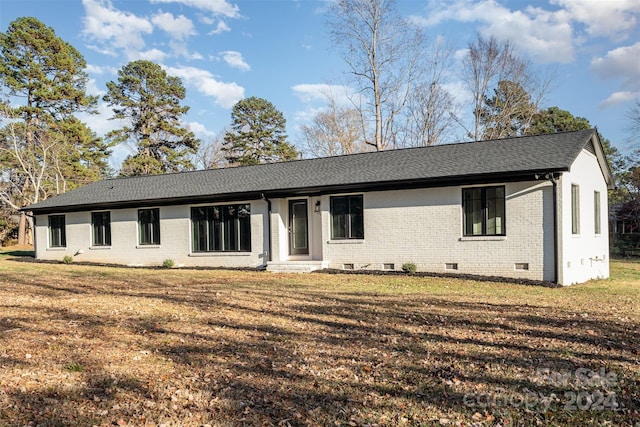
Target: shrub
column 168, row 263
column 68, row 259
column 625, row 244
column 409, row 267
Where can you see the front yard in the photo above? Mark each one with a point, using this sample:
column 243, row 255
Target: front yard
column 88, row 345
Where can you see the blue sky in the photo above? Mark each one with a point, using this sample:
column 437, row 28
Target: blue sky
column 280, row 50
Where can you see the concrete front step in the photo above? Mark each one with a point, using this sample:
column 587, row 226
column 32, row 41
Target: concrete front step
column 295, row 266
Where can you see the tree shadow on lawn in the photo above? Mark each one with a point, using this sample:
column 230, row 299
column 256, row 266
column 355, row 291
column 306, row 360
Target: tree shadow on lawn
column 21, row 253
column 264, row 357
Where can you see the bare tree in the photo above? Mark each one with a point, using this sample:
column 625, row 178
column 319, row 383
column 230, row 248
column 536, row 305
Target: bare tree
column 26, row 154
column 380, row 51
column 489, row 62
column 508, row 113
column 634, row 117
column 335, row 131
column 430, row 107
column 210, row 154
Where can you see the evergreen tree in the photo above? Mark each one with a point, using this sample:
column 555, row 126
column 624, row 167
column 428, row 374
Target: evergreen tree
column 257, row 134
column 553, row 119
column 508, row 113
column 149, row 100
column 45, row 80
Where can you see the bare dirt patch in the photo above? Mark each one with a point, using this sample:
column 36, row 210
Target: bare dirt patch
column 83, row 345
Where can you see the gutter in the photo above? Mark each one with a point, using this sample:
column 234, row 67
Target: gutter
column 556, row 264
column 556, row 244
column 268, row 225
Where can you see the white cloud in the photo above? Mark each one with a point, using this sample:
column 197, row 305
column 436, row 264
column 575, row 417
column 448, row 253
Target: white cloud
column 101, row 123
column 613, row 18
column 217, row 7
column 547, row 36
column 97, row 69
column 620, row 63
column 178, row 27
column 206, row 19
column 619, row 98
column 114, row 29
column 307, row 115
column 200, row 130
column 222, row 27
column 225, row 94
column 235, row 60
column 155, row 55
column 93, row 89
column 322, row 92
column 459, row 92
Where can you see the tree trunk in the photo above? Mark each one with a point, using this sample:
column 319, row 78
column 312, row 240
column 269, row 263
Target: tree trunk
column 22, row 229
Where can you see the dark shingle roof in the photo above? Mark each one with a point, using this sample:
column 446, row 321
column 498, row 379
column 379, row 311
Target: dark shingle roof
column 437, row 165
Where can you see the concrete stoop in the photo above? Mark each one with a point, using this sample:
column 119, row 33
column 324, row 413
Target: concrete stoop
column 295, row 266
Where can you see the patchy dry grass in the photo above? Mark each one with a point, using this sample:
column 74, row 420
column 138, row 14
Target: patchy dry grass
column 84, row 345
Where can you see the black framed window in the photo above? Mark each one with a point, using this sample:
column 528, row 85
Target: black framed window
column 596, row 212
column 221, row 228
column 347, row 218
column 57, row 231
column 101, row 228
column 575, row 209
column 149, row 226
column 484, row 211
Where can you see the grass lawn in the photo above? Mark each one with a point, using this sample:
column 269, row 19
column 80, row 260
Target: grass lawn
column 89, row 345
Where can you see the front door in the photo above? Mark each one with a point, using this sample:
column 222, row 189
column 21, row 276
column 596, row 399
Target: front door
column 298, row 228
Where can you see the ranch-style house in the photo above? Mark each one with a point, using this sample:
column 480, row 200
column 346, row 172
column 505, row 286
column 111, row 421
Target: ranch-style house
column 530, row 207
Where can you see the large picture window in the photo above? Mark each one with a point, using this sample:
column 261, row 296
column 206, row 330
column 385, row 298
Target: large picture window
column 149, row 226
column 484, row 211
column 221, row 228
column 57, row 231
column 101, row 228
column 347, row 219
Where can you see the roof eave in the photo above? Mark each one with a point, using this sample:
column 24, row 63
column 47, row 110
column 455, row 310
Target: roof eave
column 471, row 179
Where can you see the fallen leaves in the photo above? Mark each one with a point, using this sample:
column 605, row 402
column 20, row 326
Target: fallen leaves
column 134, row 347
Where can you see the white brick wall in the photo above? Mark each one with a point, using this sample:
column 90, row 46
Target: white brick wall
column 175, row 240
column 424, row 226
column 585, row 255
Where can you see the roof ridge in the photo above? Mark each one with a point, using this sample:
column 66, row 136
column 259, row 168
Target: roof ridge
column 313, row 159
column 439, row 163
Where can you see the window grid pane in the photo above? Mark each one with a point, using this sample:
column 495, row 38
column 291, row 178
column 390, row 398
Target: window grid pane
column 356, row 223
column 149, row 226
column 484, row 211
column 338, row 218
column 57, row 231
column 596, row 212
column 575, row 209
column 347, row 217
column 221, row 228
column 101, row 224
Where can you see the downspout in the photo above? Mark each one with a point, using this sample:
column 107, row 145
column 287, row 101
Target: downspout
column 268, row 225
column 551, row 177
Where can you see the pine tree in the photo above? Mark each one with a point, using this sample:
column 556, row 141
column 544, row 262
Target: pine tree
column 45, row 80
column 257, row 135
column 149, row 100
column 553, row 119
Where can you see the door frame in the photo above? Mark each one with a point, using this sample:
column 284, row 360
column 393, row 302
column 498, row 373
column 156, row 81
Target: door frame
column 292, row 251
